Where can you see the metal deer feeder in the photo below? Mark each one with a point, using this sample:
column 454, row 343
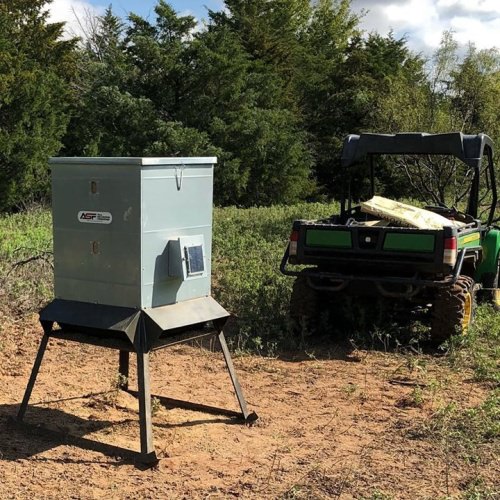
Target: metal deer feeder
column 132, row 258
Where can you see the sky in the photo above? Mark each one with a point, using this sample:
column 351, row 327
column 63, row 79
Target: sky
column 422, row 22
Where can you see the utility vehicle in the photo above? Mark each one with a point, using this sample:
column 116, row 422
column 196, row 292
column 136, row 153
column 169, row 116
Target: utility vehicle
column 363, row 256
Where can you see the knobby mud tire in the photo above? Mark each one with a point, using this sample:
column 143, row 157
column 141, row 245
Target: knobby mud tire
column 450, row 309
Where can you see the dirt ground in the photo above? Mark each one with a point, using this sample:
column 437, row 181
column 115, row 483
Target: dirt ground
column 335, row 425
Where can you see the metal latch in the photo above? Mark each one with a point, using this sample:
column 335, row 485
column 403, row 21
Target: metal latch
column 179, row 171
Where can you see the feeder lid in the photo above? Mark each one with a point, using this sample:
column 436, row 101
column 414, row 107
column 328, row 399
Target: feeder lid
column 146, row 161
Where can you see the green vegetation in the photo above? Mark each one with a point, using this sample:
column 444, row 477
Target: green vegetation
column 35, row 69
column 457, row 431
column 25, row 260
column 471, row 435
column 463, row 428
column 248, row 245
column 29, row 231
column 480, row 348
column 271, row 87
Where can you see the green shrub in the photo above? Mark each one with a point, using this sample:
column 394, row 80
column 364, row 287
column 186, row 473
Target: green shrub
column 25, row 231
column 25, row 260
column 247, row 250
column 248, row 245
column 480, row 348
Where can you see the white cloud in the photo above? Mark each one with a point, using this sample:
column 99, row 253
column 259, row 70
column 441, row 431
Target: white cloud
column 478, row 6
column 75, row 13
column 373, row 17
column 414, row 13
column 423, row 21
column 484, row 34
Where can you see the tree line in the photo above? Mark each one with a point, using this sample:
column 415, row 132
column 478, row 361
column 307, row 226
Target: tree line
column 270, row 87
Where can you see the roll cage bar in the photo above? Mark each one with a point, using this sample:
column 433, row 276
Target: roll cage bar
column 470, row 149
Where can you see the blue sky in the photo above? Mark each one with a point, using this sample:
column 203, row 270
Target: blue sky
column 422, row 22
column 145, row 8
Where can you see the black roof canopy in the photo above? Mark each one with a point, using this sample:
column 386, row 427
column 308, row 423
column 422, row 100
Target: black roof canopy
column 468, row 148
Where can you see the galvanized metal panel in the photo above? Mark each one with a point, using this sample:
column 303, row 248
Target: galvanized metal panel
column 128, row 160
column 176, row 202
column 186, row 313
column 95, row 262
column 113, row 219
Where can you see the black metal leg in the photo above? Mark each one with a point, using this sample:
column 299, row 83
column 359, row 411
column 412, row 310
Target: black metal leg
column 234, row 379
column 34, row 373
column 123, row 369
column 147, row 450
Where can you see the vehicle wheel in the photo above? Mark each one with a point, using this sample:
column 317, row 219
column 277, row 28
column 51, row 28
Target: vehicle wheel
column 493, row 281
column 304, row 308
column 453, row 309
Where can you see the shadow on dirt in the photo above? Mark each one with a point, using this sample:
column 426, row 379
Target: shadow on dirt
column 352, row 348
column 320, row 348
column 293, row 349
column 47, row 428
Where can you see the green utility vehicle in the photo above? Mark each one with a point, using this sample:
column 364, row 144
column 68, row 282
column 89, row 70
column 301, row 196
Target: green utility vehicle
column 359, row 256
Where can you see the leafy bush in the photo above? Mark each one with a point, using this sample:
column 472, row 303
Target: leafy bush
column 480, row 348
column 35, row 70
column 25, row 260
column 248, row 247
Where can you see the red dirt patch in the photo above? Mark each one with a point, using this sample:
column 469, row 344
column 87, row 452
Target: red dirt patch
column 328, row 428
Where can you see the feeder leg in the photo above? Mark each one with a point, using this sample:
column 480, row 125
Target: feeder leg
column 234, row 379
column 123, row 369
column 34, row 373
column 147, row 450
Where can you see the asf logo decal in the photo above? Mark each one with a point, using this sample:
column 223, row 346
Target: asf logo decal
column 91, row 217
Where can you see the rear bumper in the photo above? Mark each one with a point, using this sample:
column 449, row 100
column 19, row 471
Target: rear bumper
column 343, row 280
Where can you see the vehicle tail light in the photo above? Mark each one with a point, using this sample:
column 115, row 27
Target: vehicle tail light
column 292, row 249
column 450, row 251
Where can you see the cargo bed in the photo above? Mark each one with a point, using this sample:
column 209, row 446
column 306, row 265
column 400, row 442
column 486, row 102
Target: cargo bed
column 383, row 253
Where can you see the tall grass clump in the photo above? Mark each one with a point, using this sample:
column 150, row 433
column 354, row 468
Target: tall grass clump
column 247, row 250
column 480, row 348
column 25, row 260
